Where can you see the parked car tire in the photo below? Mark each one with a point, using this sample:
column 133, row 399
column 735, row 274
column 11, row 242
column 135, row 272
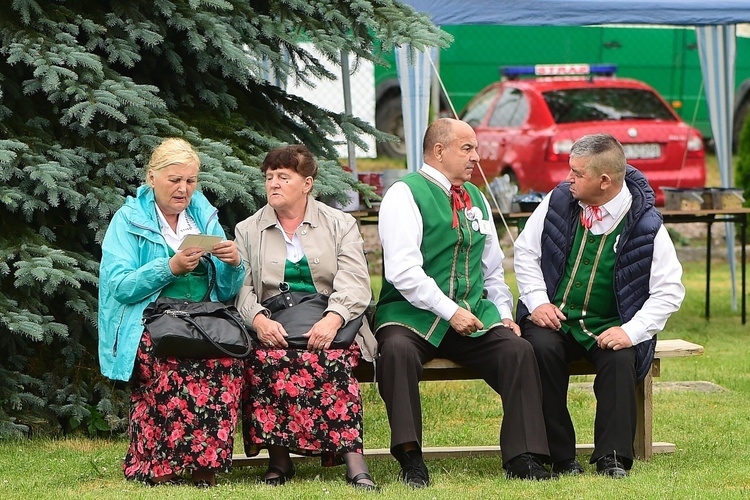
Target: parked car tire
column 389, row 119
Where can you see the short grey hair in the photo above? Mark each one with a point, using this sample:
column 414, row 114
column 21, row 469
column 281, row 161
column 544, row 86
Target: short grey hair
column 606, row 155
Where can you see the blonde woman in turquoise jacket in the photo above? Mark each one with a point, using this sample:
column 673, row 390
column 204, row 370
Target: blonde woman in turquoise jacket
column 177, row 405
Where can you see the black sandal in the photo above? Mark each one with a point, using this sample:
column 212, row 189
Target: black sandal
column 355, row 481
column 281, row 478
column 175, row 481
column 203, row 483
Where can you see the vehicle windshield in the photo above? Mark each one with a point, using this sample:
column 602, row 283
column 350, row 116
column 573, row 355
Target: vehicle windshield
column 605, row 104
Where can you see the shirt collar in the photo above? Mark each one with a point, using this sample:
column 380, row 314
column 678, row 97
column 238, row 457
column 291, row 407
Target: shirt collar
column 616, row 205
column 438, row 176
column 312, row 215
column 185, row 224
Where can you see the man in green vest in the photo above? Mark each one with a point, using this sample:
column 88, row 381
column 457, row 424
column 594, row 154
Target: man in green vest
column 598, row 277
column 444, row 295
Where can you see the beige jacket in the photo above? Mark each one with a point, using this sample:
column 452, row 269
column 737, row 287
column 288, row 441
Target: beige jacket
column 334, row 249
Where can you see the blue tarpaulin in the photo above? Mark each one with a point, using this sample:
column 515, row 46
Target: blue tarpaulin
column 584, row 12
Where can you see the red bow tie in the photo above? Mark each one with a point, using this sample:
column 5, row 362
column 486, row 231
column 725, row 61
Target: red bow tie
column 460, row 200
column 589, row 214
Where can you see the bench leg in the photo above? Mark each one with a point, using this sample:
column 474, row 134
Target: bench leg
column 644, row 423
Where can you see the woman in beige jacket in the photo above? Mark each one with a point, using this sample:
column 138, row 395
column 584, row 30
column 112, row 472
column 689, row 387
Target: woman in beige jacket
column 303, row 400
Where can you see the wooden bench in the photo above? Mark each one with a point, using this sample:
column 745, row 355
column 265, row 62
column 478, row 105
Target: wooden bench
column 443, row 369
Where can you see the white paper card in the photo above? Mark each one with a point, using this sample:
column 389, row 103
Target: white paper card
column 204, row 241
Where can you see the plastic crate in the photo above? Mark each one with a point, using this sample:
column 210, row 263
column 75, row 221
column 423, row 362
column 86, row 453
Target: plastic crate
column 685, row 200
column 727, row 198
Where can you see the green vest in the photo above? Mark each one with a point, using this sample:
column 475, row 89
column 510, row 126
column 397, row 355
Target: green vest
column 586, row 293
column 298, row 276
column 452, row 257
column 191, row 286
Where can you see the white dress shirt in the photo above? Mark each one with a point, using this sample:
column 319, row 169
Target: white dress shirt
column 665, row 283
column 400, row 229
column 185, row 226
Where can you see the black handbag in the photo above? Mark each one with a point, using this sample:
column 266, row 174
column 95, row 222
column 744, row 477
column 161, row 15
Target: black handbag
column 204, row 330
column 299, row 311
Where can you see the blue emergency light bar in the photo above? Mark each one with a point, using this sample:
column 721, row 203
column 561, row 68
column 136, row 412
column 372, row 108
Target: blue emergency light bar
column 514, row 72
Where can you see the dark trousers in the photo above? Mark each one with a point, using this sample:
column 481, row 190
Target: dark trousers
column 614, row 388
column 504, row 360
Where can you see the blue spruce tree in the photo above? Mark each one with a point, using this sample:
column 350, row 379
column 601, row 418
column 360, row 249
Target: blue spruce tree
column 87, row 89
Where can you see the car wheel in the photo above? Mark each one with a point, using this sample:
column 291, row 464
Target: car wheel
column 389, row 119
column 739, row 123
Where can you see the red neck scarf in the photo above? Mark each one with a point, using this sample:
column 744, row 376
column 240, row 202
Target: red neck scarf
column 589, row 214
column 460, row 200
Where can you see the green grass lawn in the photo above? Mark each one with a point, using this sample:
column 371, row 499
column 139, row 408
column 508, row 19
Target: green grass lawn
column 710, row 430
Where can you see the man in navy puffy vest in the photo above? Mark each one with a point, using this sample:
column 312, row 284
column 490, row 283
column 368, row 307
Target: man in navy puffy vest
column 598, row 277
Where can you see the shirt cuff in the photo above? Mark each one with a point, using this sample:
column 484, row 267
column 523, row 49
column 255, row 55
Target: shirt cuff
column 636, row 332
column 446, row 308
column 505, row 313
column 535, row 299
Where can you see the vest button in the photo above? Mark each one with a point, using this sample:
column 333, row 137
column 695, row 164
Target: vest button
column 586, row 261
column 572, row 307
column 591, row 240
column 578, row 284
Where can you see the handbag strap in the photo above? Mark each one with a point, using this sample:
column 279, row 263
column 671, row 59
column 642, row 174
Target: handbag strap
column 211, row 267
column 244, row 331
column 289, row 301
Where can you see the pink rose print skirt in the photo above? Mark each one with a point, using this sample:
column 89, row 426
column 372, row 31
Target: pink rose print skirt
column 183, row 414
column 307, row 401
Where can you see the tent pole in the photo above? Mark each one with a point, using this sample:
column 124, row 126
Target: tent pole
column 345, row 78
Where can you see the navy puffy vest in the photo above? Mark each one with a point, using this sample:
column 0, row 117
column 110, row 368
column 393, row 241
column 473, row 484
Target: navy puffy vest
column 635, row 251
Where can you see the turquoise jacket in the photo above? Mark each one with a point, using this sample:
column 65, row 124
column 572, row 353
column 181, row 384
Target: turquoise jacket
column 134, row 269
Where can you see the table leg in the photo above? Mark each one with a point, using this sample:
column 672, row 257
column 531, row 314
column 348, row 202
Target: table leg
column 743, row 252
column 708, row 268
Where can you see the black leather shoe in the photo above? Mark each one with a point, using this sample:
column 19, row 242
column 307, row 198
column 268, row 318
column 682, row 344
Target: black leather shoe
column 527, row 466
column 413, row 470
column 570, row 467
column 610, row 466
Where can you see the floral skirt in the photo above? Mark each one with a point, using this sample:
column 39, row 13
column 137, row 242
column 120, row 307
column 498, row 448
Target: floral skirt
column 183, row 414
column 307, row 401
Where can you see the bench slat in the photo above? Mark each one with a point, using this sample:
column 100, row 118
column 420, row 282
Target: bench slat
column 677, row 348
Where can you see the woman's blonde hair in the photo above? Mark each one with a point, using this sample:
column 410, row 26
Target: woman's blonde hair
column 172, row 151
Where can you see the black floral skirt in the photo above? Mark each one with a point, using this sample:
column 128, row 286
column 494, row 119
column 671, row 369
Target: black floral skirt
column 307, row 401
column 183, row 414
